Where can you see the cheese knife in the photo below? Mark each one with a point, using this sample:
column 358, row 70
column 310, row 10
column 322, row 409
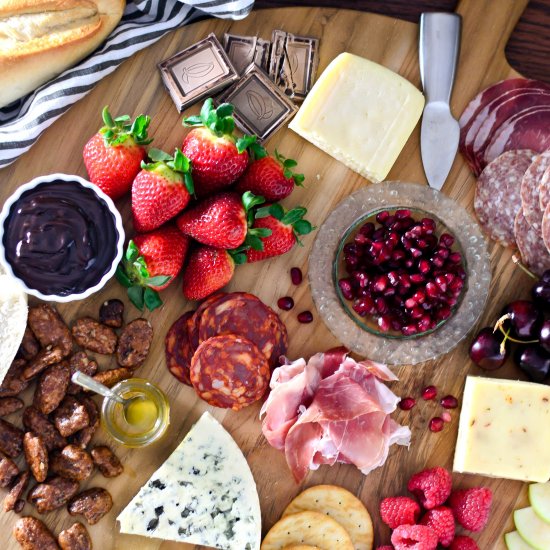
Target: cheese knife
column 438, row 48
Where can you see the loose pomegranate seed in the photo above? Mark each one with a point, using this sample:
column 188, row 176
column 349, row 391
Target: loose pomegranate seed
column 409, row 330
column 296, row 275
column 431, row 290
column 436, row 424
column 455, row 258
column 305, row 317
column 446, row 416
column 424, row 324
column 424, row 267
column 429, row 393
column 364, row 306
column 447, row 240
column 360, row 239
column 437, row 261
column 407, row 403
column 417, row 278
column 286, row 303
column 367, row 229
column 402, row 214
column 449, row 402
column 428, row 225
column 384, row 323
column 381, row 217
column 379, row 234
column 346, row 288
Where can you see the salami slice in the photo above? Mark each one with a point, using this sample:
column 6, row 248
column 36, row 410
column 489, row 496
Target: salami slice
column 194, row 334
column 544, row 187
column 229, row 371
column 245, row 315
column 531, row 246
column 497, row 197
column 530, row 200
column 178, row 348
column 546, row 228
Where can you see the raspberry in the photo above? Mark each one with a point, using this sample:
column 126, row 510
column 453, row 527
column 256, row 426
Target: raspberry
column 471, row 507
column 463, row 543
column 414, row 537
column 442, row 522
column 432, row 487
column 396, row 511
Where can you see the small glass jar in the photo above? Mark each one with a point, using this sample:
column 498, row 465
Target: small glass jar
column 150, row 416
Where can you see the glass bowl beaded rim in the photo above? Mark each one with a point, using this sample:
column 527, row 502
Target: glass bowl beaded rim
column 338, row 271
column 391, row 195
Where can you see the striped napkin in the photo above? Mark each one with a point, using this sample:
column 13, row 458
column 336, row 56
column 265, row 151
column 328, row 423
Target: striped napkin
column 143, row 22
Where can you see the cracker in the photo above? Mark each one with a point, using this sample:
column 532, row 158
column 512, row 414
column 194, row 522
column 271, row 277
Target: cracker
column 341, row 505
column 301, row 547
column 309, row 528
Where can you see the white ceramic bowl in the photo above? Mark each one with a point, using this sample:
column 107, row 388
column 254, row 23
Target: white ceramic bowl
column 100, row 194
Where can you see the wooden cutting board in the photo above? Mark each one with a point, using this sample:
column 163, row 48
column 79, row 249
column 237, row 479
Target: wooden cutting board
column 136, row 87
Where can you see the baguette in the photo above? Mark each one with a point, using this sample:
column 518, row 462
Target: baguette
column 39, row 39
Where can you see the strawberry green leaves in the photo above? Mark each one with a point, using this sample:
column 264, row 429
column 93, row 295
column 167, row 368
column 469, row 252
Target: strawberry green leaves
column 178, row 163
column 116, row 131
column 287, row 165
column 132, row 273
column 218, row 120
column 294, row 217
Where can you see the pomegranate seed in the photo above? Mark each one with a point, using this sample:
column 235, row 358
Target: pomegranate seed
column 424, row 324
column 442, row 253
column 393, row 278
column 381, row 217
column 446, row 416
column 398, row 255
column 392, row 240
column 409, row 330
column 449, row 402
column 416, row 313
column 417, row 278
column 410, row 303
column 443, row 313
column 360, row 278
column 457, row 285
column 350, row 248
column 419, row 297
column 305, row 317
column 441, row 282
column 409, row 263
column 402, row 214
column 424, row 267
column 429, row 393
column 361, row 239
column 428, row 225
column 364, row 306
column 379, row 234
column 286, row 303
column 367, row 229
column 455, row 258
column 346, row 288
column 436, row 424
column 431, row 290
column 296, row 275
column 437, row 261
column 447, row 240
column 352, row 262
column 416, row 252
column 384, row 323
column 389, row 221
column 407, row 403
column 380, row 283
column 390, row 291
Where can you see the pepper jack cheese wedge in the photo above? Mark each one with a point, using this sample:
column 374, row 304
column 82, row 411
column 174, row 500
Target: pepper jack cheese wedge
column 504, row 429
column 360, row 113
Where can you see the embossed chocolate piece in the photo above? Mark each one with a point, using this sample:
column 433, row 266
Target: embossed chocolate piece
column 196, row 72
column 245, row 50
column 260, row 107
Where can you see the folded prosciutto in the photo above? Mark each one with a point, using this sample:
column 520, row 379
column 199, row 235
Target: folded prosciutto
column 332, row 409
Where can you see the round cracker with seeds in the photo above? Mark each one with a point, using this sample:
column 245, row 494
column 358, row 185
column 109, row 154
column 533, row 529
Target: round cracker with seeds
column 301, row 547
column 341, row 505
column 309, row 528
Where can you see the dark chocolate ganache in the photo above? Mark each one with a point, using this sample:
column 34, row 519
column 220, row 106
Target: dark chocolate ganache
column 60, row 238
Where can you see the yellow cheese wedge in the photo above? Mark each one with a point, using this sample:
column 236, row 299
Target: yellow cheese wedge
column 360, row 113
column 504, row 429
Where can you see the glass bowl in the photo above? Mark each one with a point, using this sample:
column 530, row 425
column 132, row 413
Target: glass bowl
column 369, row 322
column 132, row 435
column 323, row 273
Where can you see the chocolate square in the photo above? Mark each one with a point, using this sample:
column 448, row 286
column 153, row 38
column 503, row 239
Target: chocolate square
column 196, row 72
column 240, row 49
column 260, row 107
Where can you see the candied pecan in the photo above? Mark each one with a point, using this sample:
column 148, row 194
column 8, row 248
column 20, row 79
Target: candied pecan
column 76, row 537
column 29, row 346
column 93, row 504
column 72, row 463
column 18, row 506
column 45, row 358
column 111, row 313
column 36, row 455
column 16, row 491
column 107, row 462
column 52, row 387
column 52, row 494
column 13, row 383
column 36, row 422
column 8, row 471
column 84, row 436
column 80, row 362
column 11, row 439
column 94, row 336
column 70, row 416
column 49, row 328
column 134, row 343
column 113, row 376
column 32, row 534
column 10, row 405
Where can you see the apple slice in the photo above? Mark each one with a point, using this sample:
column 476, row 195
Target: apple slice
column 539, row 497
column 514, row 541
column 532, row 529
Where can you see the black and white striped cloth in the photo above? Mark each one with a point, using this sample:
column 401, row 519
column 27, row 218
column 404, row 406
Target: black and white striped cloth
column 143, row 22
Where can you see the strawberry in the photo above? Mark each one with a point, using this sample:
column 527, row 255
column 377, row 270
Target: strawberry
column 113, row 156
column 432, row 487
column 463, row 543
column 208, row 270
column 221, row 220
column 284, row 229
column 161, row 190
column 414, row 537
column 396, row 511
column 471, row 507
column 151, row 262
column 442, row 522
column 218, row 158
column 272, row 178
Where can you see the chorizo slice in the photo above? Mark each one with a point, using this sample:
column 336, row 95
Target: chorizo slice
column 71, row 416
column 16, row 492
column 52, row 387
column 72, row 463
column 49, row 328
column 82, row 363
column 94, row 336
column 195, row 322
column 35, row 421
column 178, row 349
column 32, row 534
column 134, row 343
column 107, row 462
column 9, row 405
column 11, row 439
column 52, row 494
column 93, row 504
column 76, row 537
column 111, row 313
column 36, row 455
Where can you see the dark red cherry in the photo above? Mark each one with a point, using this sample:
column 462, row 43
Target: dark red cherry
column 485, row 349
column 541, row 293
column 534, row 361
column 525, row 318
column 544, row 335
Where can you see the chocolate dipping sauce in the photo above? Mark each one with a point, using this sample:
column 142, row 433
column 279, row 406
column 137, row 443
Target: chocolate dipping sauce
column 60, row 238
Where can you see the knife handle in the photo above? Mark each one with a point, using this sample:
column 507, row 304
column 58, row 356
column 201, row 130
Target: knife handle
column 439, row 47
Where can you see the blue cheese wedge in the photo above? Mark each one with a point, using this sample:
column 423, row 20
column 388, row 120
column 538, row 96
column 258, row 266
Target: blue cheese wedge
column 203, row 494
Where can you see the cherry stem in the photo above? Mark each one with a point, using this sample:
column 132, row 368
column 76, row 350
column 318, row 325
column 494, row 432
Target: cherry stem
column 522, row 266
column 499, row 326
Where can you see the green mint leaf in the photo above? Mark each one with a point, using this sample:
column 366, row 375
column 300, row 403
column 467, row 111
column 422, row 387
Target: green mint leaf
column 158, row 280
column 151, row 298
column 135, row 293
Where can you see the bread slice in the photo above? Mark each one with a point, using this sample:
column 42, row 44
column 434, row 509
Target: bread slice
column 39, row 39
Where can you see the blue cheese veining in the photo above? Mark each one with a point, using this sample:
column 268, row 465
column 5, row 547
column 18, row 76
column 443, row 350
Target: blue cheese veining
column 203, row 494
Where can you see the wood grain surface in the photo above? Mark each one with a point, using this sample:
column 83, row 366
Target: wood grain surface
column 136, row 87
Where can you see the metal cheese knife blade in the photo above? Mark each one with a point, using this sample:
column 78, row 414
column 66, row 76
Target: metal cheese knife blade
column 439, row 133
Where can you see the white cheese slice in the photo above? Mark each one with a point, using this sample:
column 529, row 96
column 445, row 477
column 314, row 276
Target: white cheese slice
column 361, row 113
column 203, row 494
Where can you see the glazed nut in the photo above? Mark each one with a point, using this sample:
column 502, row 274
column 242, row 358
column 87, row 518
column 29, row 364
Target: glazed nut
column 113, row 376
column 82, row 363
column 93, row 504
column 76, row 537
column 29, row 346
column 32, row 534
column 35, row 421
column 134, row 343
column 72, row 463
column 52, row 494
column 52, row 387
column 11, row 439
column 107, row 462
column 13, row 383
column 36, row 455
column 49, row 328
column 83, row 437
column 10, row 405
column 111, row 313
column 94, row 336
column 70, row 417
column 45, row 358
column 8, row 471
column 16, row 492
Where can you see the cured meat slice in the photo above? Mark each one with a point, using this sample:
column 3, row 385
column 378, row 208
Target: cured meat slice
column 546, row 228
column 530, row 200
column 245, row 315
column 497, row 198
column 544, row 187
column 178, row 350
column 529, row 129
column 229, row 371
column 194, row 334
column 531, row 245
